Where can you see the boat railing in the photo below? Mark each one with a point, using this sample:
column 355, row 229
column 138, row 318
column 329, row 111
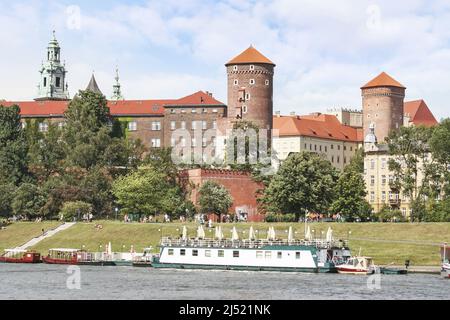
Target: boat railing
column 228, row 243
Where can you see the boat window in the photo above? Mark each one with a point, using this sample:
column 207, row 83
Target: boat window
column 221, row 254
column 280, row 254
column 195, row 253
column 268, row 254
column 182, row 252
column 208, row 253
column 235, row 254
column 297, row 255
column 259, row 254
column 170, row 252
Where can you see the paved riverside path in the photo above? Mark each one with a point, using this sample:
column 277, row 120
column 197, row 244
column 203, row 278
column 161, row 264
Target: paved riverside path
column 46, row 235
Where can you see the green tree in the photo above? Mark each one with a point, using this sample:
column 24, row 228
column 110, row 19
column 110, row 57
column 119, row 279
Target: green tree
column 350, row 192
column 305, row 181
column 147, row 191
column 6, row 198
column 214, row 198
column 13, row 147
column 28, row 200
column 71, row 210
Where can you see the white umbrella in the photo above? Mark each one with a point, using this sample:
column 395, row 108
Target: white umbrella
column 200, row 232
column 291, row 235
column 251, row 234
column 217, row 233
column 274, row 234
column 269, row 234
column 184, row 237
column 109, row 248
column 329, row 234
column 308, row 235
column 220, row 233
column 235, row 235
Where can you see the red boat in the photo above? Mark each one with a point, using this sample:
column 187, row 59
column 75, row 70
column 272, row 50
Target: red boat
column 62, row 256
column 20, row 256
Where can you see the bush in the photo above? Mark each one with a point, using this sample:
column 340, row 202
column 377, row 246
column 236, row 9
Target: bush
column 388, row 215
column 70, row 210
column 271, row 217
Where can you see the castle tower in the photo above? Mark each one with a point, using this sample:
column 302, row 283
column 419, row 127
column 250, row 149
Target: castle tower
column 93, row 86
column 382, row 100
column 250, row 88
column 53, row 84
column 117, row 92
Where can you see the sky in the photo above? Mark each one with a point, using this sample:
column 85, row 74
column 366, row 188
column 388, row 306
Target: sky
column 324, row 50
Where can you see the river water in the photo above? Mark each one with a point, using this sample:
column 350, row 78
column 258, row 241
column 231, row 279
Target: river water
column 122, row 283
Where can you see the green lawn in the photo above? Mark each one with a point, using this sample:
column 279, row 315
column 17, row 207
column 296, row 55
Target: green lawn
column 18, row 233
column 122, row 236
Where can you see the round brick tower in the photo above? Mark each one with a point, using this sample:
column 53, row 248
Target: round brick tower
column 250, row 88
column 383, row 103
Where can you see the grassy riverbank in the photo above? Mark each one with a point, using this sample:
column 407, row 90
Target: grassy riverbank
column 386, row 243
column 17, row 234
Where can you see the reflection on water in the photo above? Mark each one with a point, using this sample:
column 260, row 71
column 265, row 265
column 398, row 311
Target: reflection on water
column 50, row 282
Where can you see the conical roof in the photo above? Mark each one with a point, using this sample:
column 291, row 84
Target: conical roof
column 251, row 55
column 93, row 86
column 383, row 80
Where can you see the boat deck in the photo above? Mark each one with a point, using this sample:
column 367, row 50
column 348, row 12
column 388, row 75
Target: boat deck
column 251, row 244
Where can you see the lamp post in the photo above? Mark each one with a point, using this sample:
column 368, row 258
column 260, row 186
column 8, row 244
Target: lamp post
column 117, row 211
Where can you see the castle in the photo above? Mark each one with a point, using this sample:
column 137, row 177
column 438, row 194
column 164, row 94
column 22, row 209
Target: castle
column 336, row 134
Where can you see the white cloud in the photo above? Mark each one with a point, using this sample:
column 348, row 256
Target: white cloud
column 324, row 50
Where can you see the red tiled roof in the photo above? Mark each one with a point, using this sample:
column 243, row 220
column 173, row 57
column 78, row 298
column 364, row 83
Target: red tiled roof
column 197, row 99
column 251, row 55
column 318, row 126
column 118, row 108
column 419, row 113
column 383, row 80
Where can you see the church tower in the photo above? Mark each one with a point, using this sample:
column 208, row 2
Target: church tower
column 117, row 92
column 382, row 100
column 53, row 84
column 250, row 88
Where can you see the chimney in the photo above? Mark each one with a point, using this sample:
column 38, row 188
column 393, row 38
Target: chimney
column 278, row 114
column 293, row 113
column 209, row 94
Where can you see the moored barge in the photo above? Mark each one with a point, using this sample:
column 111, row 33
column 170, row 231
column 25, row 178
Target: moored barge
column 20, row 256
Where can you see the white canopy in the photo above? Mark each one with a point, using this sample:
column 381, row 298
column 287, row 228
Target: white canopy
column 251, row 234
column 235, row 235
column 291, row 234
column 200, row 233
column 308, row 235
column 330, row 234
column 109, row 248
column 185, row 235
column 271, row 234
column 220, row 233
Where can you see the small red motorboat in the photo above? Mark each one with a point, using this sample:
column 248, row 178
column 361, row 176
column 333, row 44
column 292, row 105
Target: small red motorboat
column 357, row 265
column 62, row 256
column 20, row 256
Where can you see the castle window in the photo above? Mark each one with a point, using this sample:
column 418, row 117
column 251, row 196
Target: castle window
column 267, row 82
column 332, row 147
column 252, row 81
column 345, row 160
column 172, row 111
column 326, row 149
column 252, row 67
column 236, row 82
column 194, row 110
column 156, row 143
column 214, row 125
column 194, row 125
column 43, row 127
column 156, row 126
column 214, row 110
column 132, row 126
column 58, row 82
column 235, row 68
column 183, row 125
column 45, row 81
column 247, row 96
column 205, row 110
column 173, row 125
column 204, row 125
column 338, row 159
column 244, row 109
column 172, row 142
column 332, row 159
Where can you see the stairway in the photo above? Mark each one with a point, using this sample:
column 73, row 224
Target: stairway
column 48, row 234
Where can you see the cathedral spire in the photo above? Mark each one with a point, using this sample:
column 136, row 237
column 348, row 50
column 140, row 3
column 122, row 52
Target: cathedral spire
column 93, row 86
column 52, row 84
column 117, row 92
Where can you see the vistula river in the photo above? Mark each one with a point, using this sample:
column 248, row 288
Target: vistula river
column 123, row 283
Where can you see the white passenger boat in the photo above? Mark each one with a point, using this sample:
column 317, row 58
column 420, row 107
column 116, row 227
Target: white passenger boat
column 357, row 265
column 306, row 255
